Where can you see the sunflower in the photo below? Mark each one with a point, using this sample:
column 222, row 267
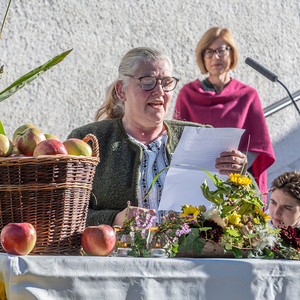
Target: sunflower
column 190, row 211
column 264, row 215
column 240, row 179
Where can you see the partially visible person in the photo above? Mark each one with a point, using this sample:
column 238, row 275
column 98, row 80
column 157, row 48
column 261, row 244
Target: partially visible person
column 135, row 140
column 284, row 206
column 222, row 101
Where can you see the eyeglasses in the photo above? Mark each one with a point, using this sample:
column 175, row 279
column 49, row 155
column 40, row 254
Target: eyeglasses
column 221, row 52
column 148, row 83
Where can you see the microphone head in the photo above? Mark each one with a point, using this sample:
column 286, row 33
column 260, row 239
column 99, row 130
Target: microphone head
column 262, row 70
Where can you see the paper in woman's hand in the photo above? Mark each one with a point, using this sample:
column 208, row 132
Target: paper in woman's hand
column 198, row 147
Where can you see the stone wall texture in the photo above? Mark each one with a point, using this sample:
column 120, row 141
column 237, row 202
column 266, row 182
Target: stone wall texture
column 101, row 32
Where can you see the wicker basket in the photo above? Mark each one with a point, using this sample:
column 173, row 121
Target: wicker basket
column 52, row 193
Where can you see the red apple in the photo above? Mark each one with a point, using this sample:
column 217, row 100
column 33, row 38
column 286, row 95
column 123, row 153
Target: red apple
column 51, row 136
column 18, row 238
column 5, row 146
column 98, row 240
column 20, row 130
column 78, row 147
column 29, row 139
column 50, row 147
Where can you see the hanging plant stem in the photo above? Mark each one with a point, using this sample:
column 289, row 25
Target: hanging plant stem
column 5, row 18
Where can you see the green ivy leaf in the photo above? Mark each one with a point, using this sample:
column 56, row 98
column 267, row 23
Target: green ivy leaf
column 139, row 240
column 145, row 252
column 237, row 252
column 193, row 242
column 182, row 239
column 27, row 78
column 134, row 252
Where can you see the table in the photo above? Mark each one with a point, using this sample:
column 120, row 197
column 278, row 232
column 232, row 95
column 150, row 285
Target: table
column 114, row 278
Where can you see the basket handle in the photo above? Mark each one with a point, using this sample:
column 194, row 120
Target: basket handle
column 91, row 137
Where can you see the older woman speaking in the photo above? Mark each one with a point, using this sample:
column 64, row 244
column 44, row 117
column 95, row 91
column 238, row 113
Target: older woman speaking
column 136, row 142
column 222, row 101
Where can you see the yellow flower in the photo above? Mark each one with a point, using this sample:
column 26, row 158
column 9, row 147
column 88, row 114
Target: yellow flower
column 262, row 214
column 190, row 211
column 256, row 221
column 234, row 218
column 237, row 178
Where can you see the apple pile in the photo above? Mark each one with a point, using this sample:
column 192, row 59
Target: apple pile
column 28, row 140
column 18, row 238
column 98, row 240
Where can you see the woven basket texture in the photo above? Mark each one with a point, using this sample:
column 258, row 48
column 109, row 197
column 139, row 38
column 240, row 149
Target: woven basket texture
column 52, row 193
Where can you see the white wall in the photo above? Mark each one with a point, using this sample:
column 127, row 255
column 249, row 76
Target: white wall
column 101, row 32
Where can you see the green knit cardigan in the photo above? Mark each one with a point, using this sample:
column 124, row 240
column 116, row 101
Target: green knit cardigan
column 116, row 178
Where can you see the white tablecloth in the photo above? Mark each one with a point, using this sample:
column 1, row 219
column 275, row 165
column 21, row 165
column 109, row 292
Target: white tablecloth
column 71, row 277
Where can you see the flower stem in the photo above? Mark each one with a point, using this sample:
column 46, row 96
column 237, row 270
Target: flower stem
column 5, row 18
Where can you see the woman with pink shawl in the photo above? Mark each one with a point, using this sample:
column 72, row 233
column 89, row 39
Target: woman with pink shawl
column 221, row 101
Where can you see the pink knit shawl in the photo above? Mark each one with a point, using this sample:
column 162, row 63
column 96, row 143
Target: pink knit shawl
column 237, row 106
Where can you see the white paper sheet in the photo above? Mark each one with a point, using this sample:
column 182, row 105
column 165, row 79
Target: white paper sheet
column 198, row 147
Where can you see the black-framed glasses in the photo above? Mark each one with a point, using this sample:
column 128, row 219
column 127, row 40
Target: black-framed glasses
column 148, row 83
column 221, row 52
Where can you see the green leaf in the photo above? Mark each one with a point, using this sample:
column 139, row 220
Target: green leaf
column 139, row 240
column 249, row 236
column 145, row 252
column 175, row 247
column 27, row 78
column 193, row 242
column 133, row 252
column 1, row 129
column 5, row 18
column 211, row 196
column 246, row 208
column 233, row 233
column 182, row 239
column 227, row 209
column 205, row 228
column 268, row 253
column 237, row 252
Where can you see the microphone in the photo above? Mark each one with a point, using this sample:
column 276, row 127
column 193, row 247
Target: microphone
column 262, row 70
column 268, row 74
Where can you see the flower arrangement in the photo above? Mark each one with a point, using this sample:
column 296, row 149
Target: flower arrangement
column 235, row 219
column 141, row 232
column 235, row 222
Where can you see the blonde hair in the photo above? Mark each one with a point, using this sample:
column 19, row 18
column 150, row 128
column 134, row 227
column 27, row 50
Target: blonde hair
column 208, row 38
column 113, row 107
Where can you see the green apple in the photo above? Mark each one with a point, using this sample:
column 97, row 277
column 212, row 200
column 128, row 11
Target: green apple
column 20, row 130
column 51, row 136
column 29, row 139
column 5, row 146
column 78, row 147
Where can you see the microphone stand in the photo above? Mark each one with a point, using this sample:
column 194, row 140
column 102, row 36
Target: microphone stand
column 294, row 102
column 268, row 74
